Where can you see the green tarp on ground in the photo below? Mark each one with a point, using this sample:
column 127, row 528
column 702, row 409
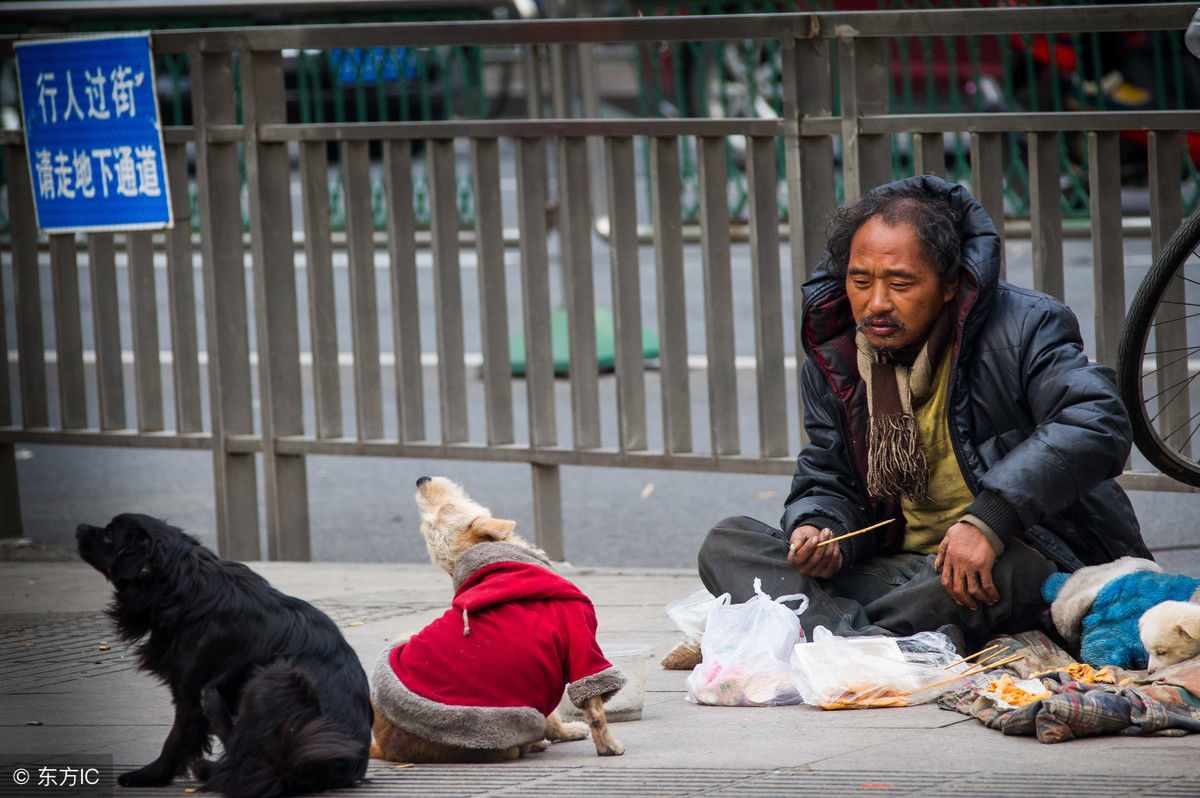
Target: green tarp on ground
column 605, row 355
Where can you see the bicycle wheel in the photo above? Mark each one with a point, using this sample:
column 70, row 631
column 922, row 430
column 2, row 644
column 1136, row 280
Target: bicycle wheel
column 1158, row 361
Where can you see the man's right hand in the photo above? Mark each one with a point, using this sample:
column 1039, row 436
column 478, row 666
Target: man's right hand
column 810, row 559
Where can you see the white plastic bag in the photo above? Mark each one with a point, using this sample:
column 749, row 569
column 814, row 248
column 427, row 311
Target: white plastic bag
column 745, row 649
column 690, row 613
column 856, row 672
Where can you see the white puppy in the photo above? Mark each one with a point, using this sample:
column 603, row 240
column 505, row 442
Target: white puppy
column 1170, row 631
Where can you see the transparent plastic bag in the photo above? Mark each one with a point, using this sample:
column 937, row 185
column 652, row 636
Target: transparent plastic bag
column 745, row 649
column 690, row 613
column 857, row 672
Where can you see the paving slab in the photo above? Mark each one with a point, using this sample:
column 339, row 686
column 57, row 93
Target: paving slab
column 67, row 688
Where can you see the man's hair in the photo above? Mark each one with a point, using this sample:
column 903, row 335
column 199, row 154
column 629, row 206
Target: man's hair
column 930, row 214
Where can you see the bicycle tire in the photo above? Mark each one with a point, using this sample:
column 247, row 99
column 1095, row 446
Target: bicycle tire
column 1131, row 356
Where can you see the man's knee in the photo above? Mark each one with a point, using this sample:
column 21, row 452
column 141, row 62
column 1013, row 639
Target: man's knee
column 718, row 540
column 732, row 535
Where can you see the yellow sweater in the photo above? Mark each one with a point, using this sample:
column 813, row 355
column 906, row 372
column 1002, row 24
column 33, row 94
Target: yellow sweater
column 949, row 496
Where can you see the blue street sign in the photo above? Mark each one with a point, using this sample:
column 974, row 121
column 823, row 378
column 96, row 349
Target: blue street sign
column 92, row 133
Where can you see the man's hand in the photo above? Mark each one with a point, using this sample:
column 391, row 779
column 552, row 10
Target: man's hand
column 810, row 559
column 965, row 559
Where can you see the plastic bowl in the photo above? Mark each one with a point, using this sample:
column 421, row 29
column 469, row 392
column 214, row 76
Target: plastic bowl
column 634, row 662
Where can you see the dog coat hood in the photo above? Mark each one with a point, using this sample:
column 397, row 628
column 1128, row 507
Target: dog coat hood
column 487, row 672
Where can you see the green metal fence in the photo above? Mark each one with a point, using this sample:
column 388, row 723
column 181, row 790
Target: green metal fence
column 942, row 74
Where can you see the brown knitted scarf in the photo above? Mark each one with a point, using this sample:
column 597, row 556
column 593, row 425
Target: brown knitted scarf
column 895, row 462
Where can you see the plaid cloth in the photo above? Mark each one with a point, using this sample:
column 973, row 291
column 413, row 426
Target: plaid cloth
column 1166, row 704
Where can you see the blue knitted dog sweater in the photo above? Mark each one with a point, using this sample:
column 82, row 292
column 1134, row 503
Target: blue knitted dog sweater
column 1110, row 629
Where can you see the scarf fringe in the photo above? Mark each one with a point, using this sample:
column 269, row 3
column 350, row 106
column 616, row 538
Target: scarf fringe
column 896, row 463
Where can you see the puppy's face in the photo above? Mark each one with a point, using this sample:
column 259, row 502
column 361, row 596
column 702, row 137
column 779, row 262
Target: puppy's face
column 119, row 550
column 1170, row 631
column 451, row 523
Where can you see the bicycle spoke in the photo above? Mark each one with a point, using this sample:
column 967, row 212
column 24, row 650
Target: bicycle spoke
column 1183, row 386
column 1188, row 439
column 1187, row 279
column 1187, row 350
column 1176, row 319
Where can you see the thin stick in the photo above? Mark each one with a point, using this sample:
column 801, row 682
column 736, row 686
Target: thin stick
column 982, row 668
column 1002, row 653
column 856, row 532
column 973, row 656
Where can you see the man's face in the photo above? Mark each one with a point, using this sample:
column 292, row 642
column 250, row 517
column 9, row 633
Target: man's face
column 894, row 292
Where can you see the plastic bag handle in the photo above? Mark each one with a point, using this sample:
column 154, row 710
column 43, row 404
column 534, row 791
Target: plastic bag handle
column 803, row 602
column 791, row 596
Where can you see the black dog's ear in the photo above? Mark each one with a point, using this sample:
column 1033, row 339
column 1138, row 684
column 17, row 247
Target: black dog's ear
column 133, row 556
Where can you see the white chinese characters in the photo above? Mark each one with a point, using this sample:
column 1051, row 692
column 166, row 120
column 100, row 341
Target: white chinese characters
column 122, row 170
column 122, row 79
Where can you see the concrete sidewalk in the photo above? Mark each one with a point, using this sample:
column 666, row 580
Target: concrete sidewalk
column 69, row 690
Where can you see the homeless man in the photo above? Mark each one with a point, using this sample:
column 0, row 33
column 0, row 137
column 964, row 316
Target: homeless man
column 960, row 406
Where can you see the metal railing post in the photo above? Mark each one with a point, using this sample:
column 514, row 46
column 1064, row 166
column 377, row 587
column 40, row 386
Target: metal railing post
column 865, row 74
column 807, row 93
column 1108, row 257
column 27, row 293
column 219, row 184
column 268, row 182
column 539, row 364
column 547, row 510
column 1170, row 332
column 10, row 497
column 987, row 180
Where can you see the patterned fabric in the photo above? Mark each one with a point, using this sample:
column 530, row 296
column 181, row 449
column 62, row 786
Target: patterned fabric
column 1166, row 704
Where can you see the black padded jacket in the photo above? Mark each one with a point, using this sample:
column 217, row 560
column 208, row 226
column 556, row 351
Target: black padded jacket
column 1038, row 429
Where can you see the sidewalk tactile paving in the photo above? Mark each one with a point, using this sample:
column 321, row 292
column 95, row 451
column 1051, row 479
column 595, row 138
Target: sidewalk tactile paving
column 55, row 647
column 517, row 779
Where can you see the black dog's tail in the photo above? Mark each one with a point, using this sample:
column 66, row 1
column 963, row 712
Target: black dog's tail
column 317, row 756
column 281, row 744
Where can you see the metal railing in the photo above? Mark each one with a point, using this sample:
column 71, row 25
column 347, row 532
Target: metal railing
column 959, row 72
column 266, row 405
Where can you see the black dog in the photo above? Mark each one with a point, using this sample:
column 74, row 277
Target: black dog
column 269, row 674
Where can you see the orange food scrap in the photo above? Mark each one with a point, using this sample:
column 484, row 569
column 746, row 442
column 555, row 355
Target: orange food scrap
column 1082, row 672
column 1008, row 692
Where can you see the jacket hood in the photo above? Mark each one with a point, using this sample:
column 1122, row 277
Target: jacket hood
column 502, row 580
column 826, row 308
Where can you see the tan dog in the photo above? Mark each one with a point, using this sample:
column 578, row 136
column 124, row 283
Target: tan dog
column 1170, row 631
column 480, row 683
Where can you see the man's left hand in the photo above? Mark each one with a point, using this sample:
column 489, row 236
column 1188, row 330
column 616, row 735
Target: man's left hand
column 965, row 559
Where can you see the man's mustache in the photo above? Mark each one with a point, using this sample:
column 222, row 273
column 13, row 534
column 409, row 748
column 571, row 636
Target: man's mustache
column 880, row 319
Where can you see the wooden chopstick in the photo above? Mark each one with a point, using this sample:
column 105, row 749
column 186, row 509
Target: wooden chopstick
column 973, row 656
column 1002, row 653
column 856, row 532
column 981, row 667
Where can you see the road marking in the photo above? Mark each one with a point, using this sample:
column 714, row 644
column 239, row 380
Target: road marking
column 470, row 359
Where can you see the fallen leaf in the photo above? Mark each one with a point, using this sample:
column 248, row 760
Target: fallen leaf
column 765, row 494
column 356, row 623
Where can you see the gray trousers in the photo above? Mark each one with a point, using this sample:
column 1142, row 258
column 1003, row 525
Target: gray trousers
column 894, row 595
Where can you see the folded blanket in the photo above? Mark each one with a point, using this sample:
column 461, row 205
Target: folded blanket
column 1168, row 703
